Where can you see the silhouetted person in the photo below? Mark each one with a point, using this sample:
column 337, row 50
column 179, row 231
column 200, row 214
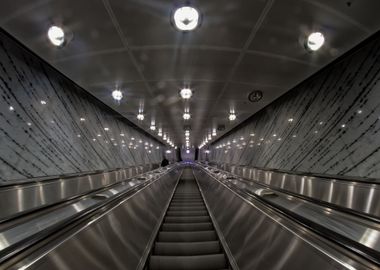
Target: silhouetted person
column 164, row 162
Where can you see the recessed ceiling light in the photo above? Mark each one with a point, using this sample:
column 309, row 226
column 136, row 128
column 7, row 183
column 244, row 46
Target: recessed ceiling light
column 43, row 102
column 82, row 119
column 56, row 35
column 186, row 18
column 11, row 108
column 106, row 129
column 186, row 93
column 315, row 41
column 186, row 116
column 152, row 127
column 140, row 117
column 117, row 95
column 232, row 117
column 187, row 151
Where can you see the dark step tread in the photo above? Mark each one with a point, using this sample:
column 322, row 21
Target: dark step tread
column 204, row 226
column 199, row 262
column 185, row 236
column 187, row 213
column 193, row 219
column 187, row 249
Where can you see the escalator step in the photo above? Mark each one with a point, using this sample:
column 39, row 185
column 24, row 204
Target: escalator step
column 187, row 213
column 188, row 249
column 200, row 262
column 185, row 208
column 197, row 236
column 187, row 226
column 187, row 219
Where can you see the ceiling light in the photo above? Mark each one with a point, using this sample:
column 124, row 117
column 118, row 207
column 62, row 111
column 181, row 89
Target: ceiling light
column 140, row 117
column 186, row 18
column 315, row 41
column 11, row 108
column 152, row 127
column 186, row 93
column 186, row 116
column 43, row 102
column 117, row 95
column 232, row 117
column 214, row 132
column 56, row 35
column 187, row 151
column 82, row 119
column 106, row 129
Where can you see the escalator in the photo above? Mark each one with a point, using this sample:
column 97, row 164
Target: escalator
column 187, row 238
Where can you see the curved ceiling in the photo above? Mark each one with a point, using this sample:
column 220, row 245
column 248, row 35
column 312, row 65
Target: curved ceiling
column 240, row 46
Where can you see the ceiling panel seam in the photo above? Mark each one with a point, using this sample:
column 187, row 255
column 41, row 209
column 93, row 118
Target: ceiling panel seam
column 251, row 36
column 124, row 40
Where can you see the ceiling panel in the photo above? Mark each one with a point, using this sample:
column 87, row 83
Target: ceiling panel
column 230, row 22
column 240, row 46
column 88, row 21
column 289, row 22
column 185, row 64
column 102, row 68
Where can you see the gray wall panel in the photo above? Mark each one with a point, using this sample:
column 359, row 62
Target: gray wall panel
column 335, row 127
column 49, row 139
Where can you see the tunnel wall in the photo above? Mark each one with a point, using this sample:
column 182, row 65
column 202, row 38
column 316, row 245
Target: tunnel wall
column 328, row 124
column 50, row 139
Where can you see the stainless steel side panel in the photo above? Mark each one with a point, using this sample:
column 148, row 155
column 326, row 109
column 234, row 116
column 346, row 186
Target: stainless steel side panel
column 117, row 240
column 259, row 239
column 17, row 199
column 356, row 195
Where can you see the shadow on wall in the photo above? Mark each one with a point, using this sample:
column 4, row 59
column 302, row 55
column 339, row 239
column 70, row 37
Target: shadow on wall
column 328, row 124
column 50, row 126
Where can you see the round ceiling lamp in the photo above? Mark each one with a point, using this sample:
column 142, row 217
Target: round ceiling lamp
column 186, row 18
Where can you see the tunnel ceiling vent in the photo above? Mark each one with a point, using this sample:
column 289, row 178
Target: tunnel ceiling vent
column 255, row 96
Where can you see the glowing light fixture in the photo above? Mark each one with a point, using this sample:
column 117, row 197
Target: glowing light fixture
column 117, row 95
column 315, row 41
column 56, row 35
column 186, row 18
column 140, row 117
column 186, row 116
column 186, row 93
column 232, row 117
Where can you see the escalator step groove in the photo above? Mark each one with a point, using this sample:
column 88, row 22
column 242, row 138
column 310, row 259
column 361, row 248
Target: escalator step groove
column 199, row 262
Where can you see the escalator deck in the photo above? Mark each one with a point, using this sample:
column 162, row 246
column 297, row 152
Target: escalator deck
column 187, row 238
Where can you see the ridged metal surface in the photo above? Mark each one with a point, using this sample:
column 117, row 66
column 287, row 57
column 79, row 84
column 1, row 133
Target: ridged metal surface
column 351, row 193
column 23, row 197
column 116, row 240
column 260, row 238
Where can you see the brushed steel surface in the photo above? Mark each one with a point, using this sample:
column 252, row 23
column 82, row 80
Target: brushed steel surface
column 115, row 240
column 356, row 195
column 27, row 196
column 260, row 238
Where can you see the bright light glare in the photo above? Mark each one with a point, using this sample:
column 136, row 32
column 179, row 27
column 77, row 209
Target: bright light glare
column 186, row 18
column 140, row 116
column 187, row 151
column 152, row 127
column 186, row 116
column 315, row 41
column 232, row 117
column 186, row 93
column 117, row 95
column 56, row 35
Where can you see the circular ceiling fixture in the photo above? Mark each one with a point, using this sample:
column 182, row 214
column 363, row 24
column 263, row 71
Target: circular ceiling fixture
column 255, row 96
column 315, row 41
column 186, row 18
column 232, row 117
column 186, row 93
column 117, row 95
column 140, row 117
column 186, row 116
column 56, row 36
